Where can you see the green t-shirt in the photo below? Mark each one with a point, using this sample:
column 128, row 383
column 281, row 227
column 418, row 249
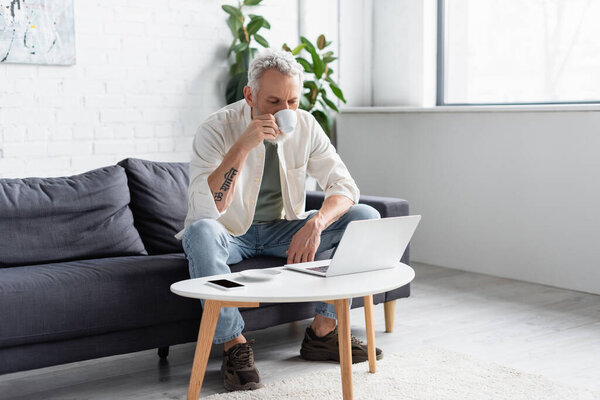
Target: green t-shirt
column 269, row 205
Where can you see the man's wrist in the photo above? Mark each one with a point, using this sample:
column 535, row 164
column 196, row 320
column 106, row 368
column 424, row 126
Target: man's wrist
column 318, row 221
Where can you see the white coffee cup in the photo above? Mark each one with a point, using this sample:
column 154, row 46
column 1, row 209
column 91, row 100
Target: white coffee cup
column 286, row 120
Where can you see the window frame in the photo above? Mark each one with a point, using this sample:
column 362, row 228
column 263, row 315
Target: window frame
column 441, row 70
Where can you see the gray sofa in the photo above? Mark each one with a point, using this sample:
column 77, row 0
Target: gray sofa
column 86, row 263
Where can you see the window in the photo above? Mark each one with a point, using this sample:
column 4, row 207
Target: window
column 518, row 51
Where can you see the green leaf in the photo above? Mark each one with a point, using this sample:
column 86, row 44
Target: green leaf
column 322, row 115
column 231, row 47
column 241, row 34
column 298, row 49
column 327, row 60
column 305, row 64
column 308, row 44
column 323, row 120
column 310, row 85
column 245, row 58
column 234, row 69
column 330, row 103
column 239, row 47
column 322, row 103
column 337, row 91
column 235, row 88
column 321, row 42
column 238, row 66
column 232, row 11
column 251, row 2
column 327, row 44
column 317, row 64
column 261, row 40
column 286, row 47
column 265, row 24
column 304, row 103
column 234, row 24
column 255, row 25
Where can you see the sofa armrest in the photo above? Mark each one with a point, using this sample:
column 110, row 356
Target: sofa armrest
column 387, row 206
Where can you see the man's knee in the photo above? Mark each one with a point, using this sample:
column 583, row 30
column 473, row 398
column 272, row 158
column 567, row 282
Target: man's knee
column 362, row 211
column 205, row 243
column 203, row 231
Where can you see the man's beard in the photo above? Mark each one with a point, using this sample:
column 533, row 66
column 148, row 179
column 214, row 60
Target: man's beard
column 281, row 137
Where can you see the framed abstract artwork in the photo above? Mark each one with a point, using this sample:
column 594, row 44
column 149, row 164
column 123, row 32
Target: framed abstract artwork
column 37, row 32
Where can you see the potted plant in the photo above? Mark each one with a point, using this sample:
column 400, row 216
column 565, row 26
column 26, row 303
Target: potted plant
column 245, row 32
column 320, row 85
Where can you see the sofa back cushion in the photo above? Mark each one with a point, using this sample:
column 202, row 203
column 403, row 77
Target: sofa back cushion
column 158, row 201
column 84, row 216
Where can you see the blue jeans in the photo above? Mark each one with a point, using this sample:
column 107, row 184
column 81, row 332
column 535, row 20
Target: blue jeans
column 209, row 248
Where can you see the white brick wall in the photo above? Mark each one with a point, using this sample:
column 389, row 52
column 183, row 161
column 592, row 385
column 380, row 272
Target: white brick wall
column 148, row 72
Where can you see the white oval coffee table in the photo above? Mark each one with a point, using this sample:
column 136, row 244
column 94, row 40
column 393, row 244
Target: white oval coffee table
column 289, row 287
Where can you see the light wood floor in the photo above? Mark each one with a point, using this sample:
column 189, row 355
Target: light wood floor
column 534, row 328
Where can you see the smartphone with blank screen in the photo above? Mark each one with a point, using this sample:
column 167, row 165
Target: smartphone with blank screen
column 225, row 284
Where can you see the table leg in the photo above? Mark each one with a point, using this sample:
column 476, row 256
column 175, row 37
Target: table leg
column 210, row 315
column 390, row 311
column 208, row 324
column 342, row 309
column 370, row 332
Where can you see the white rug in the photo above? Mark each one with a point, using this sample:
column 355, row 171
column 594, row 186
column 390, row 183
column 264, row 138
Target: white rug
column 427, row 373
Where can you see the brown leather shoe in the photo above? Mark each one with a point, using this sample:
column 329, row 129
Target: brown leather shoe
column 326, row 348
column 238, row 370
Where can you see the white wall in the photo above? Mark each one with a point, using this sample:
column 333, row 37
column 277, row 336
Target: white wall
column 512, row 194
column 147, row 73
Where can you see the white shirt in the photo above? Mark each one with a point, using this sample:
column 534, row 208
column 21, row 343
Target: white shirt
column 306, row 151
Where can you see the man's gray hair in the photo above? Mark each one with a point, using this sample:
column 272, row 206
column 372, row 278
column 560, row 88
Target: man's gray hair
column 280, row 60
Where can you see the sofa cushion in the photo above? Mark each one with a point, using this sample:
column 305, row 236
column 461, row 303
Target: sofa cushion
column 40, row 303
column 59, row 219
column 59, row 301
column 158, row 201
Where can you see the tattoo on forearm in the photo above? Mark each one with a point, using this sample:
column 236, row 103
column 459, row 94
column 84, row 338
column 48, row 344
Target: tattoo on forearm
column 227, row 184
column 228, row 179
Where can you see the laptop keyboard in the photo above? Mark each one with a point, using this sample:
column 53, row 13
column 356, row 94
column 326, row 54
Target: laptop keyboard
column 323, row 268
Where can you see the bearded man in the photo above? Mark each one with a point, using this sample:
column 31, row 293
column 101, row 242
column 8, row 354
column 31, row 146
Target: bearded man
column 247, row 199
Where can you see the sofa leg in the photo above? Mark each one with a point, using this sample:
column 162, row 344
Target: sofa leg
column 163, row 352
column 390, row 311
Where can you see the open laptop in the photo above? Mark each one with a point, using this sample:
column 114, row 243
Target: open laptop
column 366, row 245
